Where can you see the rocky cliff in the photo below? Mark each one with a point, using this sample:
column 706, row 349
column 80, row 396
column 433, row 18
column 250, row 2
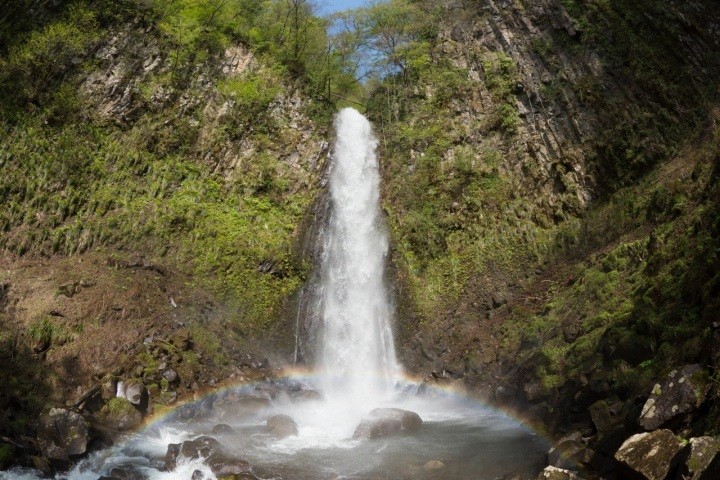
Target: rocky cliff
column 551, row 182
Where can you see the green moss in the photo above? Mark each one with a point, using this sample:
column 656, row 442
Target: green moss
column 118, row 406
column 7, row 455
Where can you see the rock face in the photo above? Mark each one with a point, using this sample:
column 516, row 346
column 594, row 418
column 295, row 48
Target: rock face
column 222, row 465
column 282, row 426
column 554, row 473
column 650, row 456
column 704, row 460
column 383, row 422
column 682, row 390
column 62, row 433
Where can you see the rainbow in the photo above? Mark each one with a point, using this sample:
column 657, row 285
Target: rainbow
column 453, row 391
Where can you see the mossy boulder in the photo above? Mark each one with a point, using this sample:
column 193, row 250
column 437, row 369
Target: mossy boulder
column 119, row 414
column 62, row 433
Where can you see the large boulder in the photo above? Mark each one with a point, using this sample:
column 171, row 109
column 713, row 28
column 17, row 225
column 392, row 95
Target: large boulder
column 282, row 426
column 683, row 390
column 62, row 433
column 554, row 473
column 383, row 422
column 119, row 414
column 649, row 456
column 222, row 464
column 704, row 460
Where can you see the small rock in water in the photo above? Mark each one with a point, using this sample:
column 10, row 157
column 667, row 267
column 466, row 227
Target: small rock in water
column 433, row 465
column 220, row 462
column 282, row 426
column 223, row 429
column 388, row 421
column 126, row 474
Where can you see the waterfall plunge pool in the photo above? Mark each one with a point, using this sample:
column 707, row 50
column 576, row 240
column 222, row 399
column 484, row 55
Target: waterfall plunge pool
column 471, row 440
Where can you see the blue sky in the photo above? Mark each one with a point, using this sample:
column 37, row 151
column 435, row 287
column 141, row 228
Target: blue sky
column 329, row 6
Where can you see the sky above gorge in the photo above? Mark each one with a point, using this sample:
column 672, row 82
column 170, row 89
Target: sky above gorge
column 331, row 6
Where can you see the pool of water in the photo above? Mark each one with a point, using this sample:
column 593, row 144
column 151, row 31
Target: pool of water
column 471, row 440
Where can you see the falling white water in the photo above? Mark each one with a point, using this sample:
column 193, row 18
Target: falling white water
column 357, row 353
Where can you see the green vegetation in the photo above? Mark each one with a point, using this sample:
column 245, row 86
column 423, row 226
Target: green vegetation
column 7, row 455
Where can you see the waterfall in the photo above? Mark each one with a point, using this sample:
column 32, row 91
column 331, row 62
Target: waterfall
column 356, row 354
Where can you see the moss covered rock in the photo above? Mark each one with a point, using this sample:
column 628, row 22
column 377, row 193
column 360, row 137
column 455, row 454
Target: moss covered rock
column 119, row 414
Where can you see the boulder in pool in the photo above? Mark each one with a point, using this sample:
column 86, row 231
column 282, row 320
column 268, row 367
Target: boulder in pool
column 282, row 426
column 222, row 464
column 383, row 422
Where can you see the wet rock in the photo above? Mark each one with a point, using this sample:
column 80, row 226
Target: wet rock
column 649, row 456
column 241, row 406
column 171, row 456
column 220, row 462
column 683, row 390
column 305, row 395
column 704, row 460
column 119, row 414
column 127, row 474
column 197, row 475
column 42, row 464
column 282, row 426
column 62, row 434
column 388, row 421
column 569, row 452
column 554, row 473
column 223, row 429
column 433, row 465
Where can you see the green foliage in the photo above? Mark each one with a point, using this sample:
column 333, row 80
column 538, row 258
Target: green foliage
column 32, row 68
column 7, row 455
column 46, row 331
column 80, row 188
column 501, row 79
